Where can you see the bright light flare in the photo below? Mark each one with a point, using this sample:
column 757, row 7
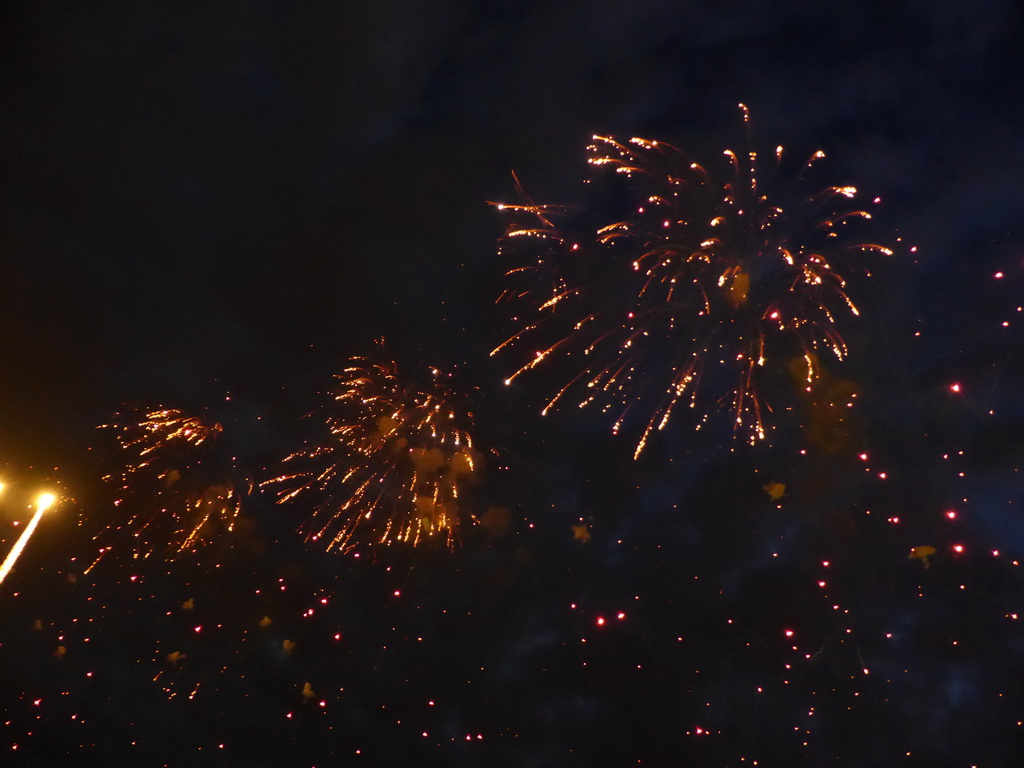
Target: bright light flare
column 43, row 502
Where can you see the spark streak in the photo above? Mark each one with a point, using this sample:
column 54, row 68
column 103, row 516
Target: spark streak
column 44, row 502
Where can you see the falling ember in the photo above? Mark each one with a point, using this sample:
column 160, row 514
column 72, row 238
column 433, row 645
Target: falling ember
column 44, row 502
column 393, row 466
column 687, row 295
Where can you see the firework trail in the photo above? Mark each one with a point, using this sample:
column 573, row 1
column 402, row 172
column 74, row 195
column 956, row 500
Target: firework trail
column 44, row 502
column 691, row 292
column 393, row 467
column 177, row 489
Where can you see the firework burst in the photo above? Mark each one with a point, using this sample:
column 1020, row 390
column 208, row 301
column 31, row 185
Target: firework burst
column 176, row 488
column 393, row 467
column 691, row 291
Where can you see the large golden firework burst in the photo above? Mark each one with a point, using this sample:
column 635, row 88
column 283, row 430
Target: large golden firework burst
column 698, row 282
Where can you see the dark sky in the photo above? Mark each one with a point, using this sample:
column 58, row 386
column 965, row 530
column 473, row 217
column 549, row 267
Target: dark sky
column 191, row 196
column 203, row 199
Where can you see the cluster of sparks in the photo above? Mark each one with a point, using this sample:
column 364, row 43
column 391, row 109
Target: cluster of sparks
column 784, row 645
column 176, row 491
column 393, row 466
column 730, row 662
column 690, row 294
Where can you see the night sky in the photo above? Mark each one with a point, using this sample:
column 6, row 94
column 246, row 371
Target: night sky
column 214, row 209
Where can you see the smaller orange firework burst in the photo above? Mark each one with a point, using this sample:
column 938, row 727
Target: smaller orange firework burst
column 176, row 490
column 393, row 467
